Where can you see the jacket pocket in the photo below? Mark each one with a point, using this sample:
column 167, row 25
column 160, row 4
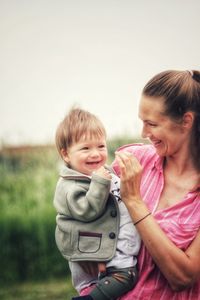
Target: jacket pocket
column 89, row 242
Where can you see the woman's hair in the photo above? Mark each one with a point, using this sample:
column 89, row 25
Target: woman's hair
column 77, row 124
column 180, row 91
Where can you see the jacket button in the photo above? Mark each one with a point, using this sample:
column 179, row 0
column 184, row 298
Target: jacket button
column 113, row 213
column 112, row 235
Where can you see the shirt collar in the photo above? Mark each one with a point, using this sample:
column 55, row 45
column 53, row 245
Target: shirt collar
column 158, row 163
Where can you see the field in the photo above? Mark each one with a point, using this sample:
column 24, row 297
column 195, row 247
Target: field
column 31, row 267
column 47, row 290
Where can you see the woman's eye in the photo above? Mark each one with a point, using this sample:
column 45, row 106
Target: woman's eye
column 152, row 125
column 102, row 146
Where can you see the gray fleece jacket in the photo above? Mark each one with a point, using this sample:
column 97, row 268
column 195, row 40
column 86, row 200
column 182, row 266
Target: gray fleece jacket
column 87, row 217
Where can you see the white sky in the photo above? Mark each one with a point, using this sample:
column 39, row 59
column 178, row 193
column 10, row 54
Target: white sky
column 95, row 53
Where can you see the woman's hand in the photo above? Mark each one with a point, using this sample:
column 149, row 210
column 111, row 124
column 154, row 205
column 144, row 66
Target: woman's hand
column 93, row 268
column 89, row 267
column 131, row 173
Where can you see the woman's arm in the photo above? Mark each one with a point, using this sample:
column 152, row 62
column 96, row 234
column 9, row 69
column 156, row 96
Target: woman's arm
column 181, row 269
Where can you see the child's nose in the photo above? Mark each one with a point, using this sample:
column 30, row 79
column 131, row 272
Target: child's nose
column 95, row 152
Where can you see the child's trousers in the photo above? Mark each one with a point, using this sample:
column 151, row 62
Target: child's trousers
column 115, row 283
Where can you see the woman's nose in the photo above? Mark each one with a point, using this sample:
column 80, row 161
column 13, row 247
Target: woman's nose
column 145, row 132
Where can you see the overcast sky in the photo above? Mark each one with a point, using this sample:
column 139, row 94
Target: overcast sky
column 94, row 53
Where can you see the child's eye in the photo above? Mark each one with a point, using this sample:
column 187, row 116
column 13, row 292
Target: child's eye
column 102, row 146
column 84, row 148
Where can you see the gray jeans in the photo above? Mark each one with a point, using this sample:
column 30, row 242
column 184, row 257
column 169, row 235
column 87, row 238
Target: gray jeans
column 115, row 283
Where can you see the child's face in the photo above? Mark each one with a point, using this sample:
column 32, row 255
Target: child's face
column 87, row 155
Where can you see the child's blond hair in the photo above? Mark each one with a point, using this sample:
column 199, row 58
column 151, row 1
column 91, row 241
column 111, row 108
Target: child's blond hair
column 77, row 124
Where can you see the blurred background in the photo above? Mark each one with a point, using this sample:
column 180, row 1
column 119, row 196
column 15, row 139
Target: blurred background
column 55, row 54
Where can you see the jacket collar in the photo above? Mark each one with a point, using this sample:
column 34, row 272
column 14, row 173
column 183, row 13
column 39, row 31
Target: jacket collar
column 68, row 173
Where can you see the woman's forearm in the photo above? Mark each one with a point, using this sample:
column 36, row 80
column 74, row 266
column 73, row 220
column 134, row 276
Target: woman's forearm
column 180, row 268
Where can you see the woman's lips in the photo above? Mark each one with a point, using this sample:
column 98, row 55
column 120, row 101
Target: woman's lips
column 156, row 143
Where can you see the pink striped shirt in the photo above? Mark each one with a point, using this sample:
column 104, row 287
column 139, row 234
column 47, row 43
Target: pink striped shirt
column 180, row 222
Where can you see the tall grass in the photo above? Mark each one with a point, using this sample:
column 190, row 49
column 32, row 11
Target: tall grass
column 27, row 216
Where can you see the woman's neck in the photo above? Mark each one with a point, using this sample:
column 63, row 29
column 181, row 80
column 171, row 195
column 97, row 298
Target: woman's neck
column 180, row 163
column 181, row 169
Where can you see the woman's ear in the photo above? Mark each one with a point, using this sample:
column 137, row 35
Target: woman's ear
column 188, row 120
column 64, row 155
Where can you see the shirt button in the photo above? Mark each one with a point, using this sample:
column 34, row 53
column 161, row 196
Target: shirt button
column 113, row 213
column 112, row 235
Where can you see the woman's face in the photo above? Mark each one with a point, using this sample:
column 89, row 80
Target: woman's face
column 166, row 135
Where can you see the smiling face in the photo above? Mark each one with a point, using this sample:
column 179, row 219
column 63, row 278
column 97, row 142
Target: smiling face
column 87, row 155
column 167, row 136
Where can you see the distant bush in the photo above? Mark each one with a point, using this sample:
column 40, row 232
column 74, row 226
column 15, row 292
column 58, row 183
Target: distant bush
column 115, row 143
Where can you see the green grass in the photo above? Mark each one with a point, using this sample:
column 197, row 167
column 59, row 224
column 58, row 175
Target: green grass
column 49, row 290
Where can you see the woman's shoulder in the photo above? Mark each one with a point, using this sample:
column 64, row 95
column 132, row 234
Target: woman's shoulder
column 139, row 150
column 145, row 153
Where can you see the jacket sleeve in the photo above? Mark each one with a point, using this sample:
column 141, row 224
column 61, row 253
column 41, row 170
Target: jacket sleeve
column 88, row 204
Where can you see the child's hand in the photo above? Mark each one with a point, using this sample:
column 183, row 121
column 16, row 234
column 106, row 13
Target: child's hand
column 103, row 172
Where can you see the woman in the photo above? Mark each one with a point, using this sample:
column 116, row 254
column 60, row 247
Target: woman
column 160, row 186
column 161, row 191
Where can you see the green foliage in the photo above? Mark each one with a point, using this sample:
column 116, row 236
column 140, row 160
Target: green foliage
column 117, row 142
column 27, row 216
